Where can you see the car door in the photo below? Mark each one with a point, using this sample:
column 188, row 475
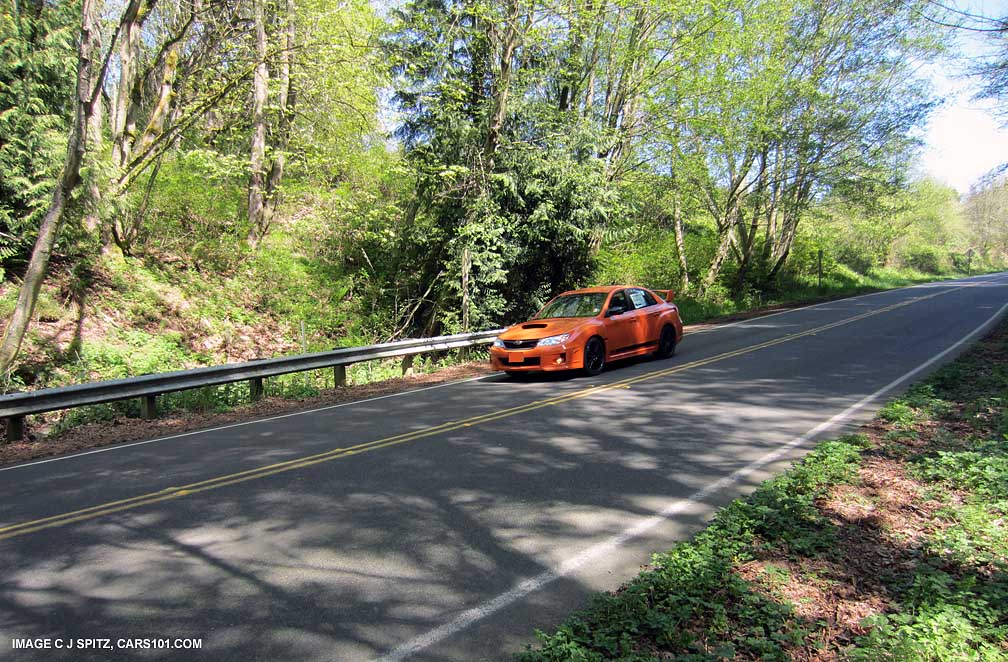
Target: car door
column 649, row 315
column 639, row 316
column 620, row 325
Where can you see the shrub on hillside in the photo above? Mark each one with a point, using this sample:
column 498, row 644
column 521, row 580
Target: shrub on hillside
column 925, row 259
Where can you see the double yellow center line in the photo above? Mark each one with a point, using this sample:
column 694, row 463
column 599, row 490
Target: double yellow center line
column 24, row 528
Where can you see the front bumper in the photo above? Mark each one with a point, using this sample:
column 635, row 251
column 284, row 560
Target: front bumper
column 556, row 357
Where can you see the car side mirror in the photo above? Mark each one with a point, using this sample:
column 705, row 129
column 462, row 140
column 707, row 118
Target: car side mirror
column 615, row 310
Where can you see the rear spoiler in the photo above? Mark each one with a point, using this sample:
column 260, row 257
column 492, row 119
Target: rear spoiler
column 667, row 295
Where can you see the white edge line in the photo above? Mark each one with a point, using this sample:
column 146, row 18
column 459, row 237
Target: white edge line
column 427, row 388
column 574, row 563
column 241, row 423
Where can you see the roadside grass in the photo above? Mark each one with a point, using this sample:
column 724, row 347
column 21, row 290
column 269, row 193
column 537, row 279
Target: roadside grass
column 839, row 283
column 147, row 315
column 890, row 544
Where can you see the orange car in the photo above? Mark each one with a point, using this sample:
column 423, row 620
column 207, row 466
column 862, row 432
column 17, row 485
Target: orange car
column 584, row 329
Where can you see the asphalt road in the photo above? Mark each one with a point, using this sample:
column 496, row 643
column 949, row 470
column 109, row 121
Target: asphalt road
column 445, row 523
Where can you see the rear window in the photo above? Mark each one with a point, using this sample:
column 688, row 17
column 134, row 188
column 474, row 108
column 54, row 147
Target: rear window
column 642, row 298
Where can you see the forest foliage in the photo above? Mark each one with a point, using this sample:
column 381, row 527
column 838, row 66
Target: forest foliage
column 387, row 170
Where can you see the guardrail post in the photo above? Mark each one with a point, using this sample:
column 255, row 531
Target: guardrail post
column 15, row 428
column 255, row 388
column 148, row 407
column 339, row 375
column 407, row 365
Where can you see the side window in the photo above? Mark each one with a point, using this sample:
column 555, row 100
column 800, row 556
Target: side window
column 619, row 299
column 639, row 299
column 651, row 301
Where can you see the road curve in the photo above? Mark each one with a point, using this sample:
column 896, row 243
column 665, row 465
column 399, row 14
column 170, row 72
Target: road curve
column 449, row 522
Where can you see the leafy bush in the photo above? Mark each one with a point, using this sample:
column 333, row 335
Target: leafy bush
column 650, row 260
column 195, row 210
column 943, row 618
column 925, row 259
column 898, row 412
column 982, row 470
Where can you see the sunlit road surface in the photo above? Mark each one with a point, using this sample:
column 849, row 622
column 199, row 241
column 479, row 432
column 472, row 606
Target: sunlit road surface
column 450, row 522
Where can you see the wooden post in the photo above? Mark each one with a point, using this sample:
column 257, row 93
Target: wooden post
column 148, row 407
column 407, row 365
column 15, row 428
column 255, row 388
column 339, row 375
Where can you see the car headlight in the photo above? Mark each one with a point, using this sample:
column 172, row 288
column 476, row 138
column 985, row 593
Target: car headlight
column 553, row 340
column 498, row 342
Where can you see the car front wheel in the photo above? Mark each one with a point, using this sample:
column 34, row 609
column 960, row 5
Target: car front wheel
column 594, row 356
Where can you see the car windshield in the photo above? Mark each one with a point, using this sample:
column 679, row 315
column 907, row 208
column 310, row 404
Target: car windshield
column 574, row 305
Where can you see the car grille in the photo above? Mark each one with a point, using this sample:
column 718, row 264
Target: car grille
column 528, row 361
column 520, row 344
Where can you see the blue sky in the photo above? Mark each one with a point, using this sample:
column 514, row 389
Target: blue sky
column 964, row 139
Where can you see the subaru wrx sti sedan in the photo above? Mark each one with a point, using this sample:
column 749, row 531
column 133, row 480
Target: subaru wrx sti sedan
column 585, row 329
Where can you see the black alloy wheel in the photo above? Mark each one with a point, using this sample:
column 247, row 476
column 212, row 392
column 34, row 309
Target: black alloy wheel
column 666, row 342
column 594, row 356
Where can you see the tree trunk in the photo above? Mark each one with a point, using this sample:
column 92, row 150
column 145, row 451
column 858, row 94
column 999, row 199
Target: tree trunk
column 89, row 67
column 789, row 230
column 125, row 110
column 158, row 116
column 770, row 234
column 719, row 258
column 257, row 173
column 591, row 61
column 747, row 234
column 680, row 243
column 123, row 119
column 466, row 268
column 165, row 119
column 502, row 87
column 92, row 212
column 287, row 102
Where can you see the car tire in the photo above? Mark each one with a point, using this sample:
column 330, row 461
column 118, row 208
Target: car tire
column 594, row 356
column 666, row 342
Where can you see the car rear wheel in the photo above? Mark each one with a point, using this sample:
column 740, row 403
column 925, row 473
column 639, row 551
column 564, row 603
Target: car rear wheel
column 594, row 356
column 666, row 342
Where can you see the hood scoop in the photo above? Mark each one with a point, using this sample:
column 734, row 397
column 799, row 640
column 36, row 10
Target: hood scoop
column 534, row 326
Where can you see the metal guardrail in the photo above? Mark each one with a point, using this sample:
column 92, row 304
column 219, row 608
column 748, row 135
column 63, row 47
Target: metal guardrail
column 15, row 406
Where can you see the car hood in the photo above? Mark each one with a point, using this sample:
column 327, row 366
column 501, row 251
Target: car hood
column 536, row 329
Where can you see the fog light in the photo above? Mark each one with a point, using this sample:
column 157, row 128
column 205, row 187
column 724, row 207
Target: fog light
column 560, row 359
